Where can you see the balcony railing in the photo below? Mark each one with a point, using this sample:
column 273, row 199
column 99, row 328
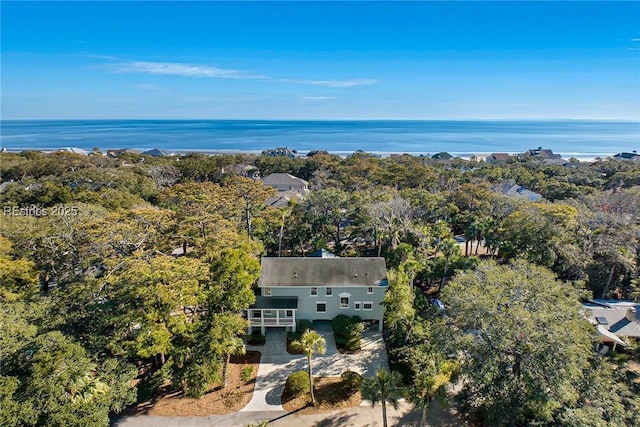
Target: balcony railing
column 271, row 321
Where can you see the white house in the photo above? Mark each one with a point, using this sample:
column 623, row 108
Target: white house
column 614, row 319
column 318, row 289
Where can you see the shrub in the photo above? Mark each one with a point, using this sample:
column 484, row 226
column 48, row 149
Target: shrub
column 245, row 374
column 347, row 332
column 351, row 381
column 256, row 338
column 297, row 384
column 340, row 323
column 303, row 325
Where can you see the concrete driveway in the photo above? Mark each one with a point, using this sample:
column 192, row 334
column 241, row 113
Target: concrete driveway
column 276, row 364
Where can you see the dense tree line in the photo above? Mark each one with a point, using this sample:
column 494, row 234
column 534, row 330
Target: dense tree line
column 138, row 269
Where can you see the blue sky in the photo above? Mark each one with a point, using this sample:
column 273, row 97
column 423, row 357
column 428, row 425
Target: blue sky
column 320, row 60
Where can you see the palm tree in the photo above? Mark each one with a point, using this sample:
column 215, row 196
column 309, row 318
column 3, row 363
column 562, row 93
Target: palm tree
column 383, row 388
column 311, row 343
column 431, row 384
column 234, row 346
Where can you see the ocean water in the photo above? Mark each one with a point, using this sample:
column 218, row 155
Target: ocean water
column 583, row 139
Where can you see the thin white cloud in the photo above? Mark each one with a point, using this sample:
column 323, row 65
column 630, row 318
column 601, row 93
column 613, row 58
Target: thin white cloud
column 635, row 40
column 207, row 71
column 180, row 69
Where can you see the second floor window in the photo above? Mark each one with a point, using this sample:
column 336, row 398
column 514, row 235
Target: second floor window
column 329, row 292
column 314, row 292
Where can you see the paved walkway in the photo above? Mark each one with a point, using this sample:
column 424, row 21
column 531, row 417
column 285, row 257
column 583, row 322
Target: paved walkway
column 275, row 366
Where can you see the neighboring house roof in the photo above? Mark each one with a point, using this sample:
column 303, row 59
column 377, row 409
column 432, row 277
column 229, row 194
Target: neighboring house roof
column 323, row 272
column 627, row 156
column 5, row 185
column 156, row 152
column 621, row 318
column 511, row 189
column 316, row 152
column 442, row 156
column 284, row 181
column 120, row 152
column 283, row 198
column 281, row 151
column 541, row 153
column 75, row 150
column 498, row 157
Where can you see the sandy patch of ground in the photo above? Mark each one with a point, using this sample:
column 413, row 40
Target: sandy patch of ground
column 218, row 401
column 330, row 394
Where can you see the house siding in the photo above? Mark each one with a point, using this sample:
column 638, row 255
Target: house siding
column 307, row 303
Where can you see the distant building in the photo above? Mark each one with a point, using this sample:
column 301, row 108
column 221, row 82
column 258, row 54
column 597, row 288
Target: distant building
column 74, row 150
column 541, row 154
column 316, row 153
column 282, row 152
column 498, row 157
column 442, row 156
column 614, row 319
column 627, row 156
column 156, row 152
column 511, row 189
column 288, row 186
column 117, row 153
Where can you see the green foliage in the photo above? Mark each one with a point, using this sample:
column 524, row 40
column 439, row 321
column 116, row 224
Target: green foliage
column 383, row 387
column 522, row 341
column 347, row 332
column 351, row 381
column 297, row 384
column 255, row 338
column 246, row 372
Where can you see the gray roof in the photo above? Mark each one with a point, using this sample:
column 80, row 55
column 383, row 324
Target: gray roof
column 323, row 272
column 288, row 303
column 156, row 152
column 612, row 315
column 284, row 180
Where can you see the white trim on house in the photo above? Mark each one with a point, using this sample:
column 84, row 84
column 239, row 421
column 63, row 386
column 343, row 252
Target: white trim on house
column 367, row 303
column 313, row 291
column 357, row 305
column 328, row 291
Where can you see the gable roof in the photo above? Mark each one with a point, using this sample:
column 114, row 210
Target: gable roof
column 323, row 272
column 156, row 152
column 284, row 180
column 498, row 157
column 627, row 156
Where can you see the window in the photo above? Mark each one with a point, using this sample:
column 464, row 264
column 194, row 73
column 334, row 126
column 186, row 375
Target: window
column 357, row 305
column 289, row 313
column 268, row 313
column 321, row 307
column 367, row 305
column 314, row 292
column 344, row 299
column 370, row 290
column 329, row 292
column 256, row 313
column 266, row 292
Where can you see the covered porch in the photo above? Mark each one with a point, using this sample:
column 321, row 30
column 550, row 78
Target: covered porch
column 273, row 312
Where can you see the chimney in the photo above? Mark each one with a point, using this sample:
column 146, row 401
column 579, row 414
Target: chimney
column 631, row 314
column 635, row 152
